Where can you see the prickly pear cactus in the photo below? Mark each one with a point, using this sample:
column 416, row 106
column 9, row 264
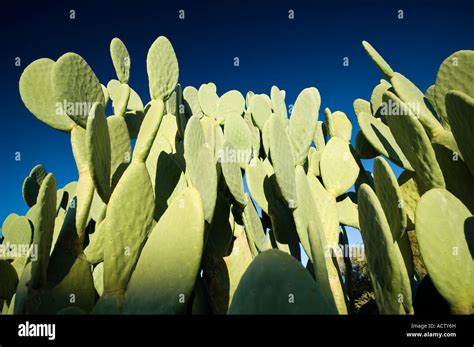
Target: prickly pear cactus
column 205, row 202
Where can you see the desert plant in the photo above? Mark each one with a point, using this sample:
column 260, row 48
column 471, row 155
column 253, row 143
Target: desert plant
column 169, row 228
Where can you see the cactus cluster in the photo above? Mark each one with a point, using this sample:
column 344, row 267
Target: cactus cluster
column 203, row 203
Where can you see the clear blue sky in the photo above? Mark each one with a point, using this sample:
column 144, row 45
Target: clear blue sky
column 273, row 50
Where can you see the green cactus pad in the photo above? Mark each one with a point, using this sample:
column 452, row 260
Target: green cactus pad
column 120, row 59
column 67, row 274
column 162, row 68
column 339, row 169
column 430, row 96
column 283, row 233
column 231, row 103
column 168, row 130
column 120, row 148
column 415, row 145
column 97, row 210
column 253, row 227
column 278, row 103
column 209, row 126
column 17, row 231
column 21, row 296
column 455, row 73
column 191, row 102
column 361, row 105
column 389, row 277
column 363, row 147
column 85, row 184
column 261, row 110
column 339, row 125
column 208, row 99
column 460, row 108
column 327, row 212
column 415, row 101
column 319, row 136
column 222, row 275
column 98, row 275
column 205, row 180
column 275, row 283
column 323, row 232
column 169, row 262
column 76, row 87
column 221, row 232
column 18, row 236
column 303, row 214
column 266, row 137
column 167, row 178
column 44, row 233
column 458, row 178
column 440, row 229
column 134, row 120
column 7, row 223
column 381, row 138
column 98, row 151
column 148, row 130
column 303, row 120
column 255, row 176
column 32, row 183
column 112, row 88
column 348, row 212
column 390, row 197
column 376, row 97
column 411, row 195
column 255, row 135
column 314, row 159
column 36, row 91
column 129, row 217
column 9, row 280
column 58, row 223
column 233, row 176
column 193, row 141
column 237, row 133
column 106, row 94
column 134, row 101
column 377, row 59
column 283, row 161
column 94, row 251
column 121, row 100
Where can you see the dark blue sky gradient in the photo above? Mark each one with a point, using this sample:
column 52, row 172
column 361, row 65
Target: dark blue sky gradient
column 273, row 50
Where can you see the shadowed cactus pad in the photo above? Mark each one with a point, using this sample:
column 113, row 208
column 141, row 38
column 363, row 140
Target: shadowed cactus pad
column 275, row 283
column 441, row 229
column 32, row 183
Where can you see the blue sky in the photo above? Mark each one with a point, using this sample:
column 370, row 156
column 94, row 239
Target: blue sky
column 272, row 49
